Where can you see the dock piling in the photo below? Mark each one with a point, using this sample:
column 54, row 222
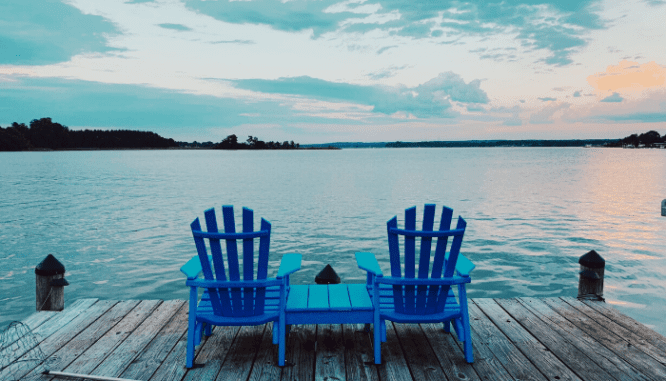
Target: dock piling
column 591, row 281
column 50, row 282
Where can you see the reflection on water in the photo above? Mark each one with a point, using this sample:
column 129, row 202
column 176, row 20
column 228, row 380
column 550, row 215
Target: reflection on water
column 119, row 220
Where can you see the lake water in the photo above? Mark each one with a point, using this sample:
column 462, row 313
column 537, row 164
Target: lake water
column 119, row 220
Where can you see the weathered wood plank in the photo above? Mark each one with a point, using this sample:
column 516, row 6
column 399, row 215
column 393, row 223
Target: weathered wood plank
column 242, row 353
column 123, row 355
column 173, row 367
column 542, row 358
column 394, row 366
column 643, row 362
column 421, row 360
column 212, row 352
column 300, row 355
column 150, row 359
column 265, row 365
column 451, row 358
column 73, row 325
column 597, row 353
column 95, row 354
column 488, row 335
column 359, row 358
column 81, row 342
column 627, row 334
column 646, row 333
column 330, row 356
column 552, row 339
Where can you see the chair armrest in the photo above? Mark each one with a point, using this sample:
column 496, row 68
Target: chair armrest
column 464, row 266
column 192, row 268
column 368, row 262
column 290, row 263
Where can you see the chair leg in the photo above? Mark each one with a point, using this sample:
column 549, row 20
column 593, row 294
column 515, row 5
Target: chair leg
column 276, row 331
column 447, row 326
column 191, row 328
column 208, row 329
column 466, row 330
column 383, row 331
column 377, row 340
column 283, row 343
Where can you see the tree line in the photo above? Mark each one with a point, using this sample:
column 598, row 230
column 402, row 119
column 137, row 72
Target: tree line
column 45, row 134
column 649, row 139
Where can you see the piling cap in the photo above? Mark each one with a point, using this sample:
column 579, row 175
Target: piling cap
column 592, row 260
column 327, row 276
column 50, row 266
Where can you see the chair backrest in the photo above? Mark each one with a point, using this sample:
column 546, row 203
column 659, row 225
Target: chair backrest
column 431, row 299
column 237, row 301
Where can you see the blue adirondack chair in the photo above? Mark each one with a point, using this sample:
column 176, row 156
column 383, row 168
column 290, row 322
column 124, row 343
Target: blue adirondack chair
column 421, row 295
column 227, row 300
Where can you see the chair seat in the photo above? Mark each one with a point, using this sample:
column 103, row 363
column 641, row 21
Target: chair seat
column 271, row 311
column 387, row 308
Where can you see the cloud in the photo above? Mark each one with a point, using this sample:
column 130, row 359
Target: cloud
column 545, row 116
column 385, row 48
column 37, row 32
column 174, row 27
column 613, row 98
column 576, row 94
column 557, row 27
column 166, row 112
column 629, row 76
column 430, row 99
column 547, row 99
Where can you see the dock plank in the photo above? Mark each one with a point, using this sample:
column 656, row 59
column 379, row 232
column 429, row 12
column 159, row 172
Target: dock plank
column 134, row 344
column 421, row 359
column 66, row 354
column 511, row 358
column 242, row 354
column 622, row 348
column 359, row 357
column 265, row 365
column 556, row 341
column 541, row 356
column 96, row 353
column 72, row 325
column 212, row 352
column 330, row 356
column 646, row 333
column 300, row 356
column 449, row 355
column 627, row 334
column 394, row 365
column 150, row 359
column 597, row 353
column 525, row 338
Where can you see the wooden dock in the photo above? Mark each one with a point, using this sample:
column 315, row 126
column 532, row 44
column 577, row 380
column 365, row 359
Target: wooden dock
column 524, row 338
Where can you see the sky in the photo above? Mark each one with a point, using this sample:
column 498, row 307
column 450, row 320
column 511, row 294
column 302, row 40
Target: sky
column 317, row 71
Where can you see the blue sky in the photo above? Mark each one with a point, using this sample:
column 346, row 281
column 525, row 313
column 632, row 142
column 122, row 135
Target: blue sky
column 317, row 71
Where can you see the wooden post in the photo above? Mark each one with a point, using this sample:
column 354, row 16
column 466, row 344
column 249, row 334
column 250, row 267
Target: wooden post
column 591, row 282
column 327, row 276
column 50, row 282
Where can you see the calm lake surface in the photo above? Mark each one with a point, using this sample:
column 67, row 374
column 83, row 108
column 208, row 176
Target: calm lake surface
column 119, row 220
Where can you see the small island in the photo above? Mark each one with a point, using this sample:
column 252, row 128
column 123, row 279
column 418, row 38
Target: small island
column 44, row 134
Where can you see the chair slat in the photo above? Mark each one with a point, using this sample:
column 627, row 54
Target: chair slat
column 205, row 265
column 438, row 261
column 424, row 257
column 248, row 262
column 410, row 260
column 232, row 256
column 218, row 260
column 262, row 265
column 394, row 256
